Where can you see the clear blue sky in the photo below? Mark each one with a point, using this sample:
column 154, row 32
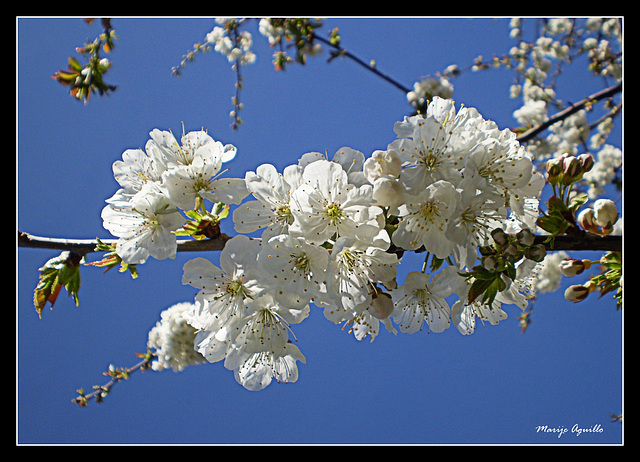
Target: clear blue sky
column 493, row 387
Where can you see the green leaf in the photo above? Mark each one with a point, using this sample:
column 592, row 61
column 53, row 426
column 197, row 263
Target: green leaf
column 478, row 287
column 58, row 272
column 74, row 64
column 577, row 201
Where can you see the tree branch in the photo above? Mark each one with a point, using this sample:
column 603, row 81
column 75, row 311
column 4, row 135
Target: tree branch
column 606, row 93
column 84, row 246
column 342, row 52
column 588, row 241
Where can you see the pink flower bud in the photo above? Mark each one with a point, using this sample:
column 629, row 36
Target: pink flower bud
column 571, row 168
column 554, row 170
column 586, row 162
column 586, row 219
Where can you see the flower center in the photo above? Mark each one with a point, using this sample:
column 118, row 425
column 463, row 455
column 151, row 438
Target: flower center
column 235, row 288
column 334, row 213
column 284, row 215
column 302, row 263
column 429, row 211
column 430, row 161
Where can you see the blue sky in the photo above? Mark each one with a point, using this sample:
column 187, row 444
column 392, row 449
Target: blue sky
column 493, row 387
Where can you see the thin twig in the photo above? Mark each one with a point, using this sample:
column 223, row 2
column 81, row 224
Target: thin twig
column 606, row 93
column 364, row 64
column 117, row 375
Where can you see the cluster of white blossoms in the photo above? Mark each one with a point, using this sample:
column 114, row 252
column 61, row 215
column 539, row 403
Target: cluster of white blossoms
column 332, row 232
column 538, row 61
column 171, row 340
column 158, row 182
column 236, row 48
column 424, row 90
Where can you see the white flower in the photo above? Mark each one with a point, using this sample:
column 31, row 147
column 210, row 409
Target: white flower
column 532, row 113
column 351, row 160
column 237, row 49
column 226, row 289
column 355, row 267
column 366, row 323
column 271, row 210
column 144, row 225
column 605, row 213
column 258, row 369
column 519, row 291
column 477, row 214
column 548, row 275
column 428, row 88
column 388, row 192
column 464, row 314
column 186, row 184
column 261, row 350
column 426, row 155
column 326, row 204
column 192, row 168
column 609, row 159
column 135, row 170
column 295, row 269
column 382, row 164
column 172, row 340
column 422, row 297
column 424, row 219
column 504, row 166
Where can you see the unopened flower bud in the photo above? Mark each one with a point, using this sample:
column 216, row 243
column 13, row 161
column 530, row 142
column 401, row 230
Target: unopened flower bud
column 605, row 213
column 490, row 263
column 554, row 166
column 499, row 236
column 586, row 162
column 536, row 253
column 525, row 237
column 510, row 250
column 586, row 219
column 382, row 164
column 570, row 267
column 571, row 168
column 576, row 293
column 381, row 305
column 388, row 192
column 554, row 170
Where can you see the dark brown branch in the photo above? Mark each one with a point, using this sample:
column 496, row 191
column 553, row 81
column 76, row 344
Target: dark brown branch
column 342, row 52
column 586, row 242
column 606, row 93
column 85, row 246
